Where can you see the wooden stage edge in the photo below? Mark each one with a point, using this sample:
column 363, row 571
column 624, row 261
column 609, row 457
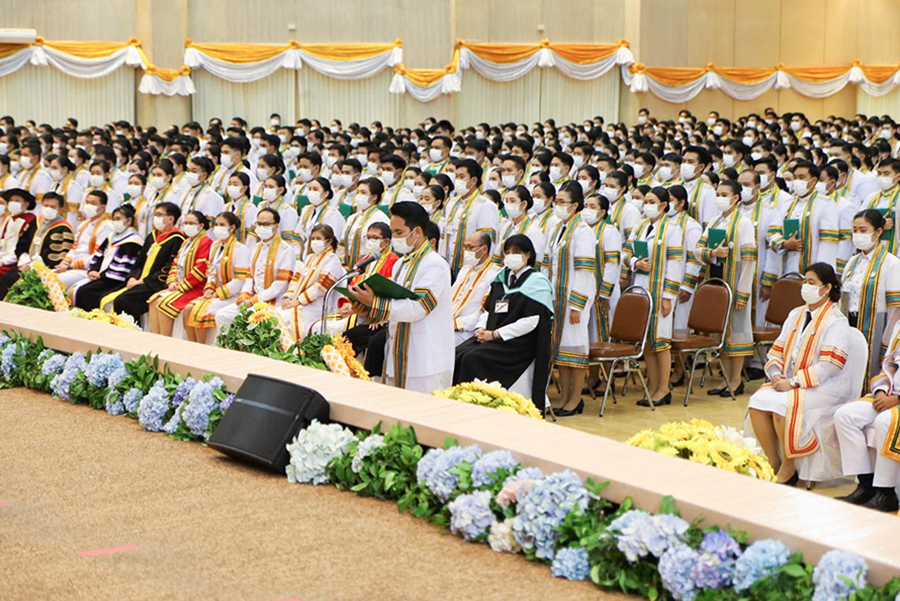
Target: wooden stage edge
column 803, row 521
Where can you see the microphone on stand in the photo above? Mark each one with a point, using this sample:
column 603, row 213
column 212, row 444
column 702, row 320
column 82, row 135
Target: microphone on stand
column 360, row 268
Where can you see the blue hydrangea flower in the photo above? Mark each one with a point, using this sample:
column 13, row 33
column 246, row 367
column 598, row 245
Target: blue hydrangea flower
column 200, row 403
column 224, row 405
column 838, row 575
column 52, row 364
column 715, row 567
column 313, row 448
column 115, row 407
column 101, row 367
column 638, row 533
column 153, row 407
column 526, row 473
column 440, row 481
column 8, row 359
column 571, row 563
column 4, row 339
column 760, row 560
column 116, row 377
column 471, row 515
column 63, row 380
column 182, row 391
column 485, row 469
column 544, row 507
column 426, row 465
column 675, row 567
column 131, row 399
column 365, row 449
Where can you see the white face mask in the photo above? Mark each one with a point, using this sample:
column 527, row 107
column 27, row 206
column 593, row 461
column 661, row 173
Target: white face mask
column 585, row 185
column 479, row 135
column 460, row 187
column 639, row 170
column 539, row 204
column 16, row 207
column 56, row 174
column 611, row 194
column 800, row 187
column 642, row 119
column 158, row 182
column 401, row 245
column 811, row 293
column 756, row 155
column 864, row 242
column 718, row 130
column 748, row 140
column 346, row 180
column 688, row 171
column 795, row 125
column 234, row 192
column 470, row 258
column 373, row 247
column 435, row 155
column 315, row 197
column 331, row 160
column 191, row 229
column 265, row 232
column 304, row 174
column 509, row 181
column 590, row 216
column 765, row 179
column 711, row 121
column 25, row 162
column 885, row 182
column 410, row 184
column 133, row 190
column 362, row 201
column 651, row 211
column 723, row 203
column 514, row 262
column 665, row 173
column 746, row 195
column 262, row 174
column 430, row 208
column 4, row 148
column 491, row 185
column 513, row 210
column 2, row 210
column 578, row 161
column 822, row 188
column 158, row 222
column 729, row 160
column 387, row 178
column 118, row 226
column 364, row 162
column 49, row 213
column 561, row 212
column 90, row 211
column 96, row 181
column 221, row 232
column 417, row 190
column 886, row 134
column 372, row 169
column 270, row 194
column 193, row 179
column 317, row 246
column 227, row 161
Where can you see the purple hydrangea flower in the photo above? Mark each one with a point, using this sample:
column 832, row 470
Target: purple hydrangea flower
column 200, row 403
column 485, row 469
column 182, row 391
column 526, row 473
column 364, row 449
column 115, row 407
column 471, row 515
column 675, row 567
column 544, row 507
column 638, row 533
column 761, row 560
column 838, row 575
column 571, row 563
column 440, row 481
column 8, row 359
column 715, row 567
column 224, row 405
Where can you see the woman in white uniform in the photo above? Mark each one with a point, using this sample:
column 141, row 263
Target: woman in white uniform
column 807, row 379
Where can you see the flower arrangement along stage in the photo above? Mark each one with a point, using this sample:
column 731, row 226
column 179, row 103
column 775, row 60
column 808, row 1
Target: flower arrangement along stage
column 701, row 442
column 121, row 320
column 490, row 394
column 259, row 330
column 556, row 519
column 40, row 288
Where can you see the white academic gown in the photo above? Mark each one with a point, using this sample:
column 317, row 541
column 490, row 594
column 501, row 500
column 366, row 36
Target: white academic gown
column 255, row 288
column 469, row 290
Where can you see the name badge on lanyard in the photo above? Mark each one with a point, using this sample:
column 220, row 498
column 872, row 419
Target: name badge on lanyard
column 501, row 306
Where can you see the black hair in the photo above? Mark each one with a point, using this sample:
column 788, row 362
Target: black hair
column 412, row 213
column 432, row 232
column 126, row 211
column 438, row 192
column 60, row 201
column 522, row 243
column 203, row 219
column 826, row 275
column 678, row 192
column 376, row 187
column 662, row 194
column 383, row 229
column 232, row 219
column 733, row 185
column 328, row 232
column 873, row 216
column 275, row 216
column 100, row 194
column 524, row 195
column 575, row 192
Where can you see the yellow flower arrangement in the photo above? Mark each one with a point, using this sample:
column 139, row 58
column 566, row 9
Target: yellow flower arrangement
column 50, row 280
column 122, row 320
column 701, row 442
column 345, row 349
column 490, row 394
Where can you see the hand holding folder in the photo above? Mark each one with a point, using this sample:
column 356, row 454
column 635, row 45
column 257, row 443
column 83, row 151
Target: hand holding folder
column 383, row 287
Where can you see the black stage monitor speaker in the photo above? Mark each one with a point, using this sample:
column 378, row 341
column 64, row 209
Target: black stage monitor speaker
column 265, row 416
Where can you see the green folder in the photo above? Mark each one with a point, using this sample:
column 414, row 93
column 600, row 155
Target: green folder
column 302, row 201
column 386, row 209
column 641, row 250
column 346, row 210
column 886, row 213
column 791, row 229
column 384, row 288
column 714, row 238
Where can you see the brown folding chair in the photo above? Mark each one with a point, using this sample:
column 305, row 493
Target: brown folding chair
column 707, row 324
column 785, row 298
column 627, row 337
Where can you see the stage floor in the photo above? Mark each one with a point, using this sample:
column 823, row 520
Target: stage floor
column 73, row 479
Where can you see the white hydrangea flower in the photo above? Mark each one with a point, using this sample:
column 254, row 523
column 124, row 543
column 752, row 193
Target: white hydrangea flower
column 313, row 448
column 501, row 537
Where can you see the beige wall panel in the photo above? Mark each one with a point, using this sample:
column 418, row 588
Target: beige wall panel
column 789, row 100
column 415, row 112
column 889, row 104
column 878, row 23
column 843, row 103
column 72, row 19
column 253, row 101
column 710, row 100
column 569, row 21
column 757, row 105
column 248, row 21
column 609, row 21
column 473, row 22
column 757, row 33
column 663, row 42
column 514, row 21
column 710, row 32
column 802, row 32
column 842, row 19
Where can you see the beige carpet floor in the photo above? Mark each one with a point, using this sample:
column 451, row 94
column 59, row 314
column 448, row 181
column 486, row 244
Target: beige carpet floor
column 73, row 479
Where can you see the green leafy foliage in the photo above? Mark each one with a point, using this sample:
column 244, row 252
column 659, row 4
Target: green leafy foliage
column 264, row 338
column 29, row 291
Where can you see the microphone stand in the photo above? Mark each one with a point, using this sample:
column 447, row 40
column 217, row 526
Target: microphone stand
column 341, row 279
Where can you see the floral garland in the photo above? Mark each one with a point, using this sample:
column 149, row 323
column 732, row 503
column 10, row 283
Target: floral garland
column 54, row 287
column 490, row 394
column 701, row 442
column 38, row 287
column 121, row 320
column 489, row 498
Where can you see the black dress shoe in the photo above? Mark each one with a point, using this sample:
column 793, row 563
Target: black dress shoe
column 570, row 412
column 885, row 499
column 587, row 389
column 755, row 373
column 717, row 391
column 861, row 495
column 666, row 400
column 792, row 481
column 737, row 391
column 678, row 382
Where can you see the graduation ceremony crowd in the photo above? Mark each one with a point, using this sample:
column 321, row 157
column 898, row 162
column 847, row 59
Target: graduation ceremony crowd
column 517, row 240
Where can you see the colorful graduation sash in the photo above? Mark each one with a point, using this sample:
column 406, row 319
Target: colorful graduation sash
column 604, row 289
column 578, row 301
column 868, row 294
column 353, row 239
column 892, row 206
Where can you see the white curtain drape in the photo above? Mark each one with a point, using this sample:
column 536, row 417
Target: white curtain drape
column 253, row 101
column 363, row 100
column 50, row 96
column 86, row 68
column 481, row 99
column 182, row 85
column 498, row 71
column 568, row 100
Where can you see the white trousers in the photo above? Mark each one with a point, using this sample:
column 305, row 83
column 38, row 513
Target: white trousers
column 226, row 315
column 850, row 422
column 71, row 277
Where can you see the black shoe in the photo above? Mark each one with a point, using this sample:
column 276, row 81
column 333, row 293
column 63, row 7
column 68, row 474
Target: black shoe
column 678, row 382
column 885, row 499
column 717, row 391
column 792, row 481
column 666, row 400
column 591, row 387
column 579, row 409
column 755, row 373
column 860, row 496
column 737, row 391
